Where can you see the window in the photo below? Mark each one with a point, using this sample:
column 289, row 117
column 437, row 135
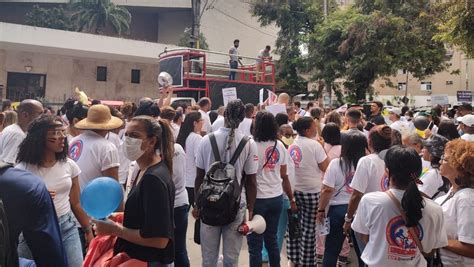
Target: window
column 449, row 82
column 25, row 85
column 135, row 76
column 425, row 86
column 402, row 86
column 101, row 74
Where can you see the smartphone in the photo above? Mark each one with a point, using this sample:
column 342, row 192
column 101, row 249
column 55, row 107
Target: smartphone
column 369, row 126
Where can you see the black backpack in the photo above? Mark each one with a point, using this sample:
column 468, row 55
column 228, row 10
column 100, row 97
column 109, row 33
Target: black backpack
column 219, row 195
column 8, row 254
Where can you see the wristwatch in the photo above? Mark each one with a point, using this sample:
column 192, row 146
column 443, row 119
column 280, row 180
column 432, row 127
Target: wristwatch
column 347, row 219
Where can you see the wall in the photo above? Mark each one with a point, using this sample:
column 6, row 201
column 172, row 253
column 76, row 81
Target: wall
column 171, row 25
column 64, row 73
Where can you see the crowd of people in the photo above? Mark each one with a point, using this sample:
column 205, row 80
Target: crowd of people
column 398, row 188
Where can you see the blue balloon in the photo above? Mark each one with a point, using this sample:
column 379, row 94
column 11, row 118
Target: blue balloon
column 101, row 197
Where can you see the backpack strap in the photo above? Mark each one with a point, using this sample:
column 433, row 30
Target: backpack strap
column 215, row 149
column 4, row 165
column 239, row 149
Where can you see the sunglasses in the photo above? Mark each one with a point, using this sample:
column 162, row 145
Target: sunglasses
column 58, row 132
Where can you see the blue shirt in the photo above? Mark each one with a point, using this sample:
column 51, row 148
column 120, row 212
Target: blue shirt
column 30, row 210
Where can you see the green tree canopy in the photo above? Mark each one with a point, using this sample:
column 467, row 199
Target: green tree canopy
column 53, row 18
column 185, row 40
column 375, row 39
column 456, row 24
column 95, row 15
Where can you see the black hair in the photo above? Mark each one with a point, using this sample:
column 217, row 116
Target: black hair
column 380, row 137
column 204, row 102
column 448, row 129
column 354, row 115
column 379, row 104
column 168, row 113
column 267, row 47
column 302, row 124
column 76, row 111
column 32, row 148
column 266, row 128
column 404, row 168
column 404, row 110
column 316, row 113
column 178, row 115
column 297, row 104
column 236, row 41
column 331, row 134
column 233, row 115
column 164, row 137
column 281, row 118
column 353, row 147
column 187, row 127
column 396, row 138
column 68, row 105
column 249, row 109
column 7, row 103
column 213, row 116
column 95, row 102
column 148, row 108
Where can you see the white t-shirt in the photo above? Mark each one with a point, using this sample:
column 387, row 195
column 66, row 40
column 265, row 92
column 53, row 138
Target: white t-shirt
column 244, row 126
column 206, row 127
column 370, row 175
column 181, row 195
column 426, row 165
column 400, row 126
column 247, row 161
column 218, row 123
column 340, row 181
column 459, row 220
column 175, row 130
column 332, row 151
column 57, row 178
column 390, row 243
column 10, row 141
column 307, row 154
column 269, row 182
column 468, row 137
column 192, row 144
column 432, row 180
column 124, row 167
column 93, row 154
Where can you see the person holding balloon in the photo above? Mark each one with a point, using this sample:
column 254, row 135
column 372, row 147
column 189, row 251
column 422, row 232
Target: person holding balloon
column 147, row 233
column 44, row 152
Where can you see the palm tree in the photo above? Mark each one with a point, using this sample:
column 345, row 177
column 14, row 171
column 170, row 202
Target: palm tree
column 94, row 15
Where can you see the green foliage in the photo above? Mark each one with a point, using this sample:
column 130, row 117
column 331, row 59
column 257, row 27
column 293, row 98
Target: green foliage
column 456, row 24
column 95, row 15
column 185, row 40
column 296, row 20
column 53, row 18
column 373, row 39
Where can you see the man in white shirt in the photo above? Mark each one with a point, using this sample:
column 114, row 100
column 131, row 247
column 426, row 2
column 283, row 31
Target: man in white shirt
column 246, row 124
column 13, row 135
column 204, row 107
column 466, row 125
column 247, row 161
column 397, row 124
column 299, row 111
column 262, row 56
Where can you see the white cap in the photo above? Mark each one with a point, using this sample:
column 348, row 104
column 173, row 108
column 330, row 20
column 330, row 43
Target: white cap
column 395, row 110
column 467, row 120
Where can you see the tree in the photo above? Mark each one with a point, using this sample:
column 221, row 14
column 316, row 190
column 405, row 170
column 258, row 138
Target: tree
column 95, row 15
column 456, row 24
column 54, row 18
column 185, row 40
column 374, row 39
column 296, row 20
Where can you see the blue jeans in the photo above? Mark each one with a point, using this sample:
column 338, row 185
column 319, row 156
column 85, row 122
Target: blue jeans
column 358, row 247
column 282, row 224
column 70, row 239
column 233, row 65
column 158, row 264
column 335, row 238
column 180, row 227
column 232, row 242
column 270, row 209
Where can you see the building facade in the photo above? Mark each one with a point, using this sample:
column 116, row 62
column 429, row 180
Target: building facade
column 46, row 63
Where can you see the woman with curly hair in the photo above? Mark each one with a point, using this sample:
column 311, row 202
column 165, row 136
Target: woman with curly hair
column 44, row 153
column 458, row 205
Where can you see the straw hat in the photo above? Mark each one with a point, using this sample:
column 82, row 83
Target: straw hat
column 99, row 118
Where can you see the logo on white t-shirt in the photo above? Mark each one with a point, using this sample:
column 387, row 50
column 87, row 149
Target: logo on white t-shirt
column 296, row 154
column 75, row 150
column 273, row 158
column 401, row 246
column 347, row 183
column 384, row 182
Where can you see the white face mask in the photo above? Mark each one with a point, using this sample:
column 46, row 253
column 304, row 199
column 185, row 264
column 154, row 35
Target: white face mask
column 132, row 148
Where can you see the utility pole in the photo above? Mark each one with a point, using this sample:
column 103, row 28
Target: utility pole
column 467, row 74
column 196, row 9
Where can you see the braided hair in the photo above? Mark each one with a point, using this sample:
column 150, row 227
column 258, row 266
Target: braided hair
column 234, row 114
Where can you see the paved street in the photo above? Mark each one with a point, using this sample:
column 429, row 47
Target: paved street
column 194, row 251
